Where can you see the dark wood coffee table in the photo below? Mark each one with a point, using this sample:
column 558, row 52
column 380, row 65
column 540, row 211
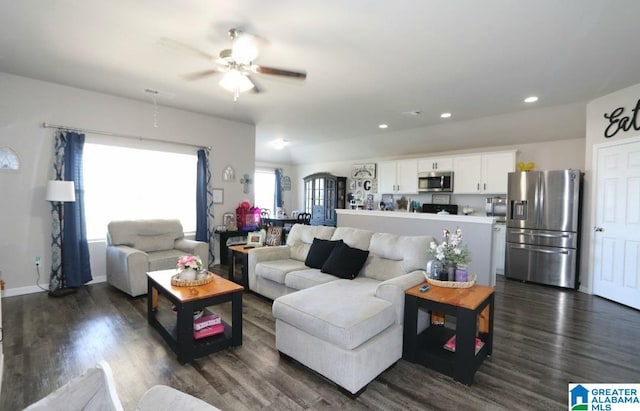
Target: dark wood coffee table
column 473, row 309
column 177, row 329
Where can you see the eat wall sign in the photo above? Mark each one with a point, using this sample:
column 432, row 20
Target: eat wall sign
column 618, row 121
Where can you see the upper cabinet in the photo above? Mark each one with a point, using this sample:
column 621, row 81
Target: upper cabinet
column 426, row 165
column 398, row 177
column 483, row 173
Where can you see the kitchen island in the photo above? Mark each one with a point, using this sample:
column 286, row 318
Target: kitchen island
column 477, row 232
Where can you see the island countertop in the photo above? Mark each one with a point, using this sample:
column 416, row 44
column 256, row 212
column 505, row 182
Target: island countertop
column 422, row 216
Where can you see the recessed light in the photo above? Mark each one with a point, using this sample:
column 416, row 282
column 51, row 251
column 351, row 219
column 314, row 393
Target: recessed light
column 383, row 126
column 445, row 115
column 280, row 143
column 531, row 99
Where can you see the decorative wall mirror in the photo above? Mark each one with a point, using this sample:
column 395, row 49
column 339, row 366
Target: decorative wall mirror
column 9, row 159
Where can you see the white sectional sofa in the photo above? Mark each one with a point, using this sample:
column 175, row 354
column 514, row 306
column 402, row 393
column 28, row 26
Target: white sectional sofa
column 348, row 330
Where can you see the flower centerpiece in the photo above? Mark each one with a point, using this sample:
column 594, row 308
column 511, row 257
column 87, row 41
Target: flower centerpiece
column 189, row 265
column 452, row 253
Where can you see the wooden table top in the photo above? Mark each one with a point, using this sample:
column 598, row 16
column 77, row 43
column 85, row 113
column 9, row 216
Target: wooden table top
column 469, row 298
column 219, row 286
column 242, row 248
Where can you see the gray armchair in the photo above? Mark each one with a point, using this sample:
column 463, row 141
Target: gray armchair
column 139, row 246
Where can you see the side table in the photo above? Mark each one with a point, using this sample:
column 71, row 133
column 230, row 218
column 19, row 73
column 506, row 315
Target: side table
column 177, row 330
column 239, row 251
column 224, row 236
column 473, row 309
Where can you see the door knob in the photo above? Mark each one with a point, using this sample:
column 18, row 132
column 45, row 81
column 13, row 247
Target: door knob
column 598, row 229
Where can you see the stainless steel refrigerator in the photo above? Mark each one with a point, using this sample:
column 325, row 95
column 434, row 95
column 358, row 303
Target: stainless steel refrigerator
column 543, row 220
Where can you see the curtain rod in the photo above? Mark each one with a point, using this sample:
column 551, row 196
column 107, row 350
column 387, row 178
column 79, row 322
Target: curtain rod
column 108, row 133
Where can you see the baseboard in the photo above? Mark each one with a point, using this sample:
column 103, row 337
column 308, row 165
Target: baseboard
column 33, row 289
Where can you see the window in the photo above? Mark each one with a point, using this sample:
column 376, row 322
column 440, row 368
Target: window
column 123, row 183
column 265, row 189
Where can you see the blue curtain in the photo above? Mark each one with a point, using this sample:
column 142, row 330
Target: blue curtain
column 76, row 269
column 204, row 204
column 278, row 194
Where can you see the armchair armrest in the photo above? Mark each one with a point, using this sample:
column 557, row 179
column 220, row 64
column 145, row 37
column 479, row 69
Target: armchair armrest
column 193, row 247
column 393, row 290
column 127, row 269
column 260, row 254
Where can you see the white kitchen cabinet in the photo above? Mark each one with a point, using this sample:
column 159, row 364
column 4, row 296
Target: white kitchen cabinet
column 499, row 246
column 426, row 165
column 483, row 173
column 398, row 177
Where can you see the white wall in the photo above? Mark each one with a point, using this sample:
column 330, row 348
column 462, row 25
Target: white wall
column 552, row 155
column 596, row 125
column 25, row 215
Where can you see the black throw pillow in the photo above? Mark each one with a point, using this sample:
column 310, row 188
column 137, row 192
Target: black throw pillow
column 345, row 262
column 319, row 252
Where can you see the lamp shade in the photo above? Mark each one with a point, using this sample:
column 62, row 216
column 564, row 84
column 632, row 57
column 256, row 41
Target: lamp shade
column 58, row 190
column 235, row 81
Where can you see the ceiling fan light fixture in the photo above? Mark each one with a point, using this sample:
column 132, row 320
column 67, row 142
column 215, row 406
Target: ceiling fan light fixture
column 244, row 48
column 234, row 81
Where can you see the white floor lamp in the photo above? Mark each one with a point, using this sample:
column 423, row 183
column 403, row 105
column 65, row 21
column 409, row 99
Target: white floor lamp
column 58, row 192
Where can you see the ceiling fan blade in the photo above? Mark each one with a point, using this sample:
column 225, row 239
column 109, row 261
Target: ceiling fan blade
column 279, row 72
column 200, row 74
column 176, row 45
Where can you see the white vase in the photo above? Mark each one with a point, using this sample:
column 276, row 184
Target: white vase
column 188, row 274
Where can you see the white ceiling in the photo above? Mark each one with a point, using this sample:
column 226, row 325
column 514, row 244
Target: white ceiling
column 367, row 62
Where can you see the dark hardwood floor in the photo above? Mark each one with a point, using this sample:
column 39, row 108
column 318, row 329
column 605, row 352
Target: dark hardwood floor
column 544, row 338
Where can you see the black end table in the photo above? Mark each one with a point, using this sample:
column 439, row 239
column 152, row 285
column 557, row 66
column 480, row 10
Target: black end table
column 177, row 329
column 473, row 309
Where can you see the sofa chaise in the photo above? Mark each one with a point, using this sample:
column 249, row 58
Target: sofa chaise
column 348, row 330
column 136, row 247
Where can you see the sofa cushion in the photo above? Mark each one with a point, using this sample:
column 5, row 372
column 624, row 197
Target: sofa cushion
column 344, row 261
column 301, row 279
column 342, row 312
column 354, row 237
column 276, row 270
column 392, row 255
column 301, row 236
column 163, row 260
column 126, row 232
column 158, row 242
column 319, row 251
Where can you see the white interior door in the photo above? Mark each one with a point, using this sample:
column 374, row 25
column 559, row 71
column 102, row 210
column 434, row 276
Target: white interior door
column 616, row 235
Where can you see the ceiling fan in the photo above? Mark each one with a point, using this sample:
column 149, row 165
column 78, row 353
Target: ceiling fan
column 236, row 64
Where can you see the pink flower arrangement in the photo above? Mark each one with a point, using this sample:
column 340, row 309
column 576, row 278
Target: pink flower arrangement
column 190, row 261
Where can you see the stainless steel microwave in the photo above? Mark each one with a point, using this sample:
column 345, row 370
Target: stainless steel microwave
column 435, row 181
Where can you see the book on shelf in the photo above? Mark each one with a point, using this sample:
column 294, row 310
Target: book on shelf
column 208, row 331
column 207, row 320
column 451, row 344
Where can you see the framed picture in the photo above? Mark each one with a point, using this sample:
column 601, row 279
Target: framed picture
column 255, row 239
column 218, row 196
column 363, row 170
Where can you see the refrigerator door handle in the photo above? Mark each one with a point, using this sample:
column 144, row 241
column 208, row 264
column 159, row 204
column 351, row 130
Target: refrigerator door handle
column 544, row 235
column 548, row 235
column 544, row 251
